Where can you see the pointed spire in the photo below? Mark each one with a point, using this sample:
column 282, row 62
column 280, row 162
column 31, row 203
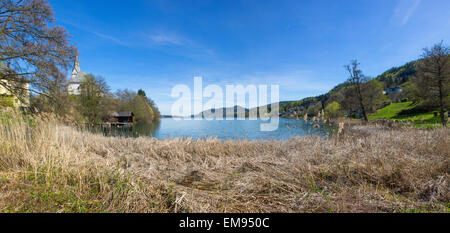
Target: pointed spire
column 76, row 66
column 77, row 74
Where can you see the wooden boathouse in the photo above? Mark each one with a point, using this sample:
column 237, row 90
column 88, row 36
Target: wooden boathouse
column 121, row 119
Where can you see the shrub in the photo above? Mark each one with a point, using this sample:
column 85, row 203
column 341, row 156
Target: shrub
column 333, row 110
column 6, row 101
column 416, row 110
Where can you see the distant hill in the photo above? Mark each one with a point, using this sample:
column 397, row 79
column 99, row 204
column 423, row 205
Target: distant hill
column 222, row 112
column 232, row 112
column 394, row 77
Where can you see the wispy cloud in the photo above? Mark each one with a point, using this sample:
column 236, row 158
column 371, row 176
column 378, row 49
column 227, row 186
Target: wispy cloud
column 177, row 44
column 99, row 34
column 404, row 10
column 161, row 38
column 164, row 40
column 410, row 11
column 110, row 38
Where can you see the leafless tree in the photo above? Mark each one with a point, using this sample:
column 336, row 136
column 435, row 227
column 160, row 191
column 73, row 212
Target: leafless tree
column 357, row 79
column 433, row 73
column 32, row 49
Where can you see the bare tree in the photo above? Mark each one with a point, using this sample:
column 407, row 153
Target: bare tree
column 357, row 79
column 372, row 92
column 31, row 48
column 350, row 101
column 433, row 73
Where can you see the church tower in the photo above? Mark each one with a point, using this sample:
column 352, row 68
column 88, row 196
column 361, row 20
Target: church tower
column 76, row 79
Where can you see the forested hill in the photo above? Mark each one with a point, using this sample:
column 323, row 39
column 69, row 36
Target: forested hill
column 397, row 76
column 394, row 77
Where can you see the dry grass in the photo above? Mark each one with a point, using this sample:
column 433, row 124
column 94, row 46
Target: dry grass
column 53, row 168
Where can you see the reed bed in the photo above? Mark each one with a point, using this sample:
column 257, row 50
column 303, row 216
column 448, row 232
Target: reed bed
column 46, row 166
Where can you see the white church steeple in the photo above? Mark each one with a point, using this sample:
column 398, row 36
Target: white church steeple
column 76, row 79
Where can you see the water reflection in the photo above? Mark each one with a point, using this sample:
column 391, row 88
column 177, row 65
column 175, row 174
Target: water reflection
column 145, row 129
column 221, row 129
column 136, row 130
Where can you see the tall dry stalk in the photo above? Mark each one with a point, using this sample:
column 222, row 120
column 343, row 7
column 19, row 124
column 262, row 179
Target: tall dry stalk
column 48, row 167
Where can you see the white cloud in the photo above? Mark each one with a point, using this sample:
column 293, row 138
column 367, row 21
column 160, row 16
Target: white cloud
column 404, row 10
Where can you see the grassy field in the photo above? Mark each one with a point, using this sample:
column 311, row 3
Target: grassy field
column 391, row 112
column 49, row 167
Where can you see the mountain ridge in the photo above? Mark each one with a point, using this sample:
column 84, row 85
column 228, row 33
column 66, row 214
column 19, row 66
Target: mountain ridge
column 393, row 77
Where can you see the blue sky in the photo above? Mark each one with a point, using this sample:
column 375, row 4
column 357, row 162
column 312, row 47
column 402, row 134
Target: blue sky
column 299, row 45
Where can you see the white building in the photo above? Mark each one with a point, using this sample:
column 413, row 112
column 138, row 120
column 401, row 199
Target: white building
column 76, row 79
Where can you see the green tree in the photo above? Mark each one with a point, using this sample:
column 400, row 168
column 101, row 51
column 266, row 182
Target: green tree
column 141, row 109
column 144, row 109
column 333, row 110
column 314, row 109
column 141, row 93
column 92, row 101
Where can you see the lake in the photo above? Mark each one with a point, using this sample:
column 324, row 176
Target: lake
column 226, row 129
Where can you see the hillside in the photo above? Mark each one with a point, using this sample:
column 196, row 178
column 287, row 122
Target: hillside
column 394, row 77
column 398, row 76
column 399, row 112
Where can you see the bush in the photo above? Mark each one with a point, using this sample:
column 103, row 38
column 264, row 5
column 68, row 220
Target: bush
column 333, row 110
column 6, row 101
column 416, row 110
column 404, row 100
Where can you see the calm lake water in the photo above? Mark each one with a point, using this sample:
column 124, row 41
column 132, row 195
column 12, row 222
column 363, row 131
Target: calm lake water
column 227, row 129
